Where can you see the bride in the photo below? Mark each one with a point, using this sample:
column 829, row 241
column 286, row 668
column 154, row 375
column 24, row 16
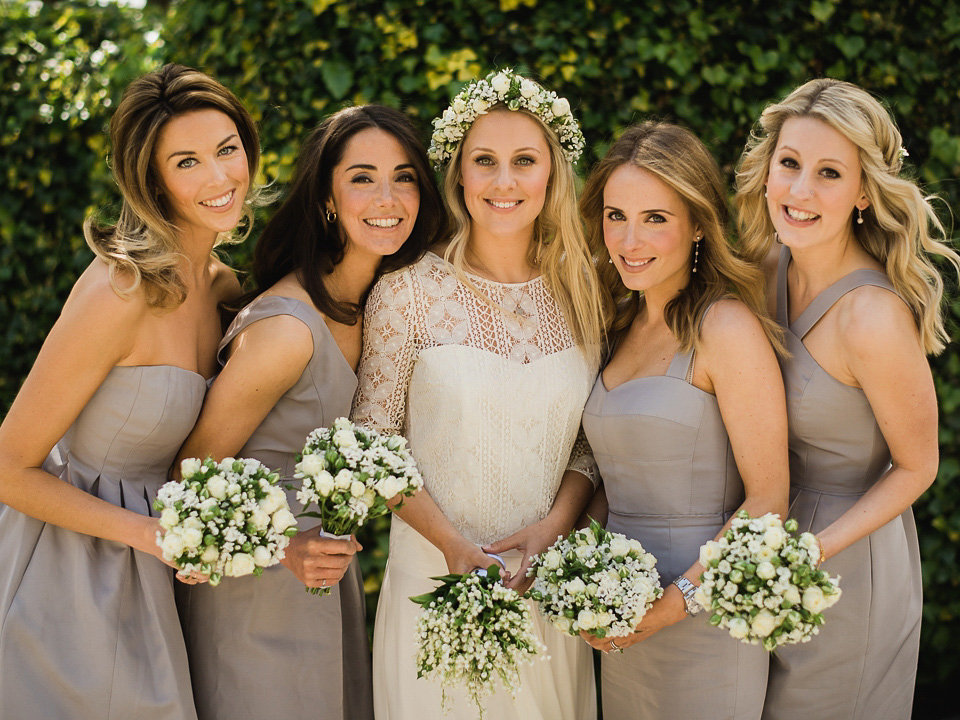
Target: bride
column 483, row 355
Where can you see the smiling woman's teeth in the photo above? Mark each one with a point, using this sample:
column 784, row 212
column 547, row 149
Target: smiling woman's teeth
column 639, row 263
column 218, row 202
column 383, row 222
column 504, row 205
column 800, row 214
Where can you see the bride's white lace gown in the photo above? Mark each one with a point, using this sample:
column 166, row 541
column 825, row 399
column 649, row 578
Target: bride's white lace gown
column 490, row 402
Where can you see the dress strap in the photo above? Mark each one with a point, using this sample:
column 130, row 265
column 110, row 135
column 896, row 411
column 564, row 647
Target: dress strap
column 826, row 299
column 783, row 316
column 682, row 364
column 266, row 306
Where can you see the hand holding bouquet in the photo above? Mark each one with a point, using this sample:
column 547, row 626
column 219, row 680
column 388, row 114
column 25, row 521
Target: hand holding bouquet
column 473, row 630
column 596, row 581
column 762, row 583
column 350, row 473
column 224, row 519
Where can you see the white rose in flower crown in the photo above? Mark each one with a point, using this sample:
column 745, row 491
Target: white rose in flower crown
column 357, row 488
column 282, row 520
column 261, row 556
column 239, row 565
column 345, row 439
column 619, row 547
column 311, row 465
column 343, row 480
column 738, row 628
column 190, row 466
column 169, row 517
column 560, row 107
column 500, row 83
column 813, row 599
column 217, row 487
column 587, row 619
column 528, row 88
column 764, row 623
column 459, row 106
column 480, row 106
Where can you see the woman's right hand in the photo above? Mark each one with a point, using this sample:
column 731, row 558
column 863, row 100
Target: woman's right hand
column 318, row 561
column 464, row 556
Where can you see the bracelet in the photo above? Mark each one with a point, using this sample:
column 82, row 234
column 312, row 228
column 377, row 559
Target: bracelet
column 823, row 553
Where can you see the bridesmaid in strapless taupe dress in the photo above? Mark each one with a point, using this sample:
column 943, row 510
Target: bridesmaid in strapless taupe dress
column 687, row 421
column 859, row 301
column 88, row 623
column 263, row 647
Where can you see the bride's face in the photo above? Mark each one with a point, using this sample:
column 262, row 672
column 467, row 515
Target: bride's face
column 505, row 167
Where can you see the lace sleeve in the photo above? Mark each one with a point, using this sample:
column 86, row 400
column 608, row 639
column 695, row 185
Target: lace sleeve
column 581, row 459
column 389, row 352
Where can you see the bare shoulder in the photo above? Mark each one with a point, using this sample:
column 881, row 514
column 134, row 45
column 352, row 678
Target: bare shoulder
column 870, row 319
column 277, row 339
column 727, row 322
column 97, row 295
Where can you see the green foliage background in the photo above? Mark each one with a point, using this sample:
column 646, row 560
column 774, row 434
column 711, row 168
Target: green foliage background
column 711, row 66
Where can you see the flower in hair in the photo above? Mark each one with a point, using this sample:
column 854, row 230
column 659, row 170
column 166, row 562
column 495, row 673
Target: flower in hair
column 516, row 92
column 903, row 153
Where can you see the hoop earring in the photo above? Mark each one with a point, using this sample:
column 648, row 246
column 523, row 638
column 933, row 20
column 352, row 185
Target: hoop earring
column 859, row 216
column 331, row 217
column 696, row 252
column 776, row 236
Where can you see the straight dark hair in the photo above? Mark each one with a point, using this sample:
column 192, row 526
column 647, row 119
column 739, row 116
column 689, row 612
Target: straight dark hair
column 300, row 239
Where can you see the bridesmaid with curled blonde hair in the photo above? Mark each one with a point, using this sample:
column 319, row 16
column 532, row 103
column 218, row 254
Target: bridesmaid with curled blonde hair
column 846, row 240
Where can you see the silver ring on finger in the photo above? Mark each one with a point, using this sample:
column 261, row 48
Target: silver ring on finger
column 614, row 646
column 323, row 583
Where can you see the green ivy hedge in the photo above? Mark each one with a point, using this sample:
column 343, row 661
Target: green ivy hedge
column 711, row 66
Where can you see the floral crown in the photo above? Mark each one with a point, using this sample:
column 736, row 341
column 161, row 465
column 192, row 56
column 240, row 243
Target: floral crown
column 516, row 92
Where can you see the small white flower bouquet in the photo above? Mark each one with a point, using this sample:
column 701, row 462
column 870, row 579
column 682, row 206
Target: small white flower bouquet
column 473, row 630
column 761, row 582
column 596, row 581
column 350, row 473
column 224, row 519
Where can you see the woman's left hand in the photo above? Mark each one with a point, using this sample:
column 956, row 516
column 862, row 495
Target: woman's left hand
column 530, row 541
column 665, row 611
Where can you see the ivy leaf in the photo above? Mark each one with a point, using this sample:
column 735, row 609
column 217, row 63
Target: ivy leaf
column 338, row 77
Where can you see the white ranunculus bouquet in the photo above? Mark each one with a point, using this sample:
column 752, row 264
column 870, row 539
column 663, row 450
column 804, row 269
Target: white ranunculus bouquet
column 471, row 631
column 596, row 581
column 224, row 519
column 761, row 582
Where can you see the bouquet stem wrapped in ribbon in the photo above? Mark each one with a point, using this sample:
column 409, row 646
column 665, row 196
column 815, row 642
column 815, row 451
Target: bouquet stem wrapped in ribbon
column 473, row 630
column 224, row 519
column 350, row 473
column 595, row 581
column 762, row 583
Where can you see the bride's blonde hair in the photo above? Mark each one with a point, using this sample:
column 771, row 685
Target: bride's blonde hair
column 900, row 229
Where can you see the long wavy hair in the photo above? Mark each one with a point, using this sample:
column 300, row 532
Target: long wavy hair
column 678, row 158
column 144, row 244
column 559, row 247
column 900, row 228
column 300, row 239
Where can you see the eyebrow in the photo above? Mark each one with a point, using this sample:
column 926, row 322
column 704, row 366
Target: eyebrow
column 191, row 152
column 642, row 212
column 827, row 160
column 518, row 150
column 360, row 166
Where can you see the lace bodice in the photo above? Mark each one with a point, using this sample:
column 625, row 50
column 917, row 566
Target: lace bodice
column 489, row 397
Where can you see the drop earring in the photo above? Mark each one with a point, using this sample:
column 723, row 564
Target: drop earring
column 696, row 252
column 859, row 216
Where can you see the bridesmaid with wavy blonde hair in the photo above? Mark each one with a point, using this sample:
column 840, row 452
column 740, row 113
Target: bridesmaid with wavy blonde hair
column 847, row 240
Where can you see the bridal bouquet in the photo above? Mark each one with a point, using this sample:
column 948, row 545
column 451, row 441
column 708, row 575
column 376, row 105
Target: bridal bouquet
column 224, row 519
column 350, row 473
column 761, row 582
column 596, row 581
column 473, row 630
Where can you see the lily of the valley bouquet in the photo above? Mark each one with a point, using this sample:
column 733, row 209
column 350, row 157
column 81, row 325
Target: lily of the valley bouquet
column 349, row 473
column 762, row 582
column 596, row 581
column 473, row 630
column 224, row 519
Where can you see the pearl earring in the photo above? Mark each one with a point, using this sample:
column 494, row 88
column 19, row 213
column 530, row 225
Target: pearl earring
column 859, row 216
column 696, row 252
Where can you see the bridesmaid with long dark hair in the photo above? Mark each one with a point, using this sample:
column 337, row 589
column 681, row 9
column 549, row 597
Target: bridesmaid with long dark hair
column 89, row 623
column 363, row 202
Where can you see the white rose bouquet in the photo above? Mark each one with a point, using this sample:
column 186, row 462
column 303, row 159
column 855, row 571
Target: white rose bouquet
column 597, row 581
column 224, row 519
column 761, row 582
column 350, row 473
column 473, row 630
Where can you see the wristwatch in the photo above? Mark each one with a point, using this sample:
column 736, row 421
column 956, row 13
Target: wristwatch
column 688, row 589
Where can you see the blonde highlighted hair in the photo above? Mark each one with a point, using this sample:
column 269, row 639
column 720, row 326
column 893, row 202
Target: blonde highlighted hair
column 144, row 244
column 558, row 248
column 683, row 163
column 900, row 228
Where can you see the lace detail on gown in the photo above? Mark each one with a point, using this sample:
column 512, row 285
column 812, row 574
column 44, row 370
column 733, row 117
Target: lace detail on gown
column 490, row 400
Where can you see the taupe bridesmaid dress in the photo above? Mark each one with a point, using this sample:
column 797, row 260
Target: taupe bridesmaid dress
column 264, row 647
column 672, row 483
column 89, row 626
column 863, row 664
